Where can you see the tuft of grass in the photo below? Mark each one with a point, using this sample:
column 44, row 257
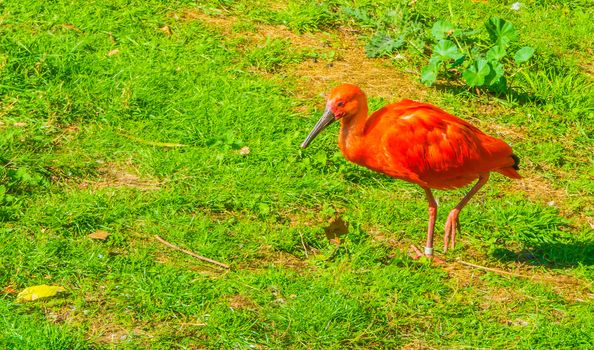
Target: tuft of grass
column 272, row 55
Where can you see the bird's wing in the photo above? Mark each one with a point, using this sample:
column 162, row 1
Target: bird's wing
column 426, row 145
column 431, row 143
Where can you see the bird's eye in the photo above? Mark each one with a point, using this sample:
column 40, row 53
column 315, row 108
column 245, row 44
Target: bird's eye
column 340, row 104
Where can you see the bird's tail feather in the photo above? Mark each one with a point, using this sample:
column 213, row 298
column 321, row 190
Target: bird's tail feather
column 516, row 162
column 512, row 171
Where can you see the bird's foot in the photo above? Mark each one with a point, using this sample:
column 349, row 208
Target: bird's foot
column 452, row 223
column 416, row 254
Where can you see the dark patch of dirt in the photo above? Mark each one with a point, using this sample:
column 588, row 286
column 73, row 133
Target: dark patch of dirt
column 337, row 228
column 60, row 315
column 110, row 334
column 377, row 77
column 417, row 345
column 241, row 302
column 268, row 256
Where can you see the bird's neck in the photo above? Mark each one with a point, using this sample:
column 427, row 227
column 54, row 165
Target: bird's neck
column 352, row 130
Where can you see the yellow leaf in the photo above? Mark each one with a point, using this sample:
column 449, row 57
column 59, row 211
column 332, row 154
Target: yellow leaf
column 245, row 150
column 100, row 234
column 166, row 30
column 71, row 27
column 39, row 292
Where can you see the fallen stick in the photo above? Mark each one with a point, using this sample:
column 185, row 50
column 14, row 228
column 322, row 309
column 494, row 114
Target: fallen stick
column 199, row 257
column 558, row 280
column 503, row 272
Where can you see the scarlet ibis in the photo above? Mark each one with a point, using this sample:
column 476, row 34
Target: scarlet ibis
column 419, row 143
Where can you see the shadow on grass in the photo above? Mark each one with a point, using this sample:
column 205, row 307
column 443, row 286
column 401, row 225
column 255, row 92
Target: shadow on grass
column 551, row 254
column 519, row 97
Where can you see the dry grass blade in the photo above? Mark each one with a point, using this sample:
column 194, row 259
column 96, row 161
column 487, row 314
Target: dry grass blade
column 152, row 143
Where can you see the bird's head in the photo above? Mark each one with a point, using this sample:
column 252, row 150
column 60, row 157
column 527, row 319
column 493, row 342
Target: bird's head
column 343, row 102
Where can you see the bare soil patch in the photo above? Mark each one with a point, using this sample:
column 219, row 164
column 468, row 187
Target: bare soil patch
column 114, row 175
column 241, row 302
column 376, row 77
column 569, row 288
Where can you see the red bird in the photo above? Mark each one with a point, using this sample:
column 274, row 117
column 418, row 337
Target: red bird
column 419, row 143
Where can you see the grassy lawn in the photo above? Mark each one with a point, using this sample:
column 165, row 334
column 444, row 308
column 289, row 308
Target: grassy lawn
column 183, row 119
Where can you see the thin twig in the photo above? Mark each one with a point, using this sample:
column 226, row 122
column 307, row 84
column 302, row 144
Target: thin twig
column 503, row 272
column 303, row 244
column 200, row 257
column 533, row 277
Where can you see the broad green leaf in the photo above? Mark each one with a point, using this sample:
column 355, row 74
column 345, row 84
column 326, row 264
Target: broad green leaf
column 446, row 49
column 475, row 74
column 523, row 54
column 442, row 30
column 458, row 61
column 501, row 31
column 434, row 62
column 498, row 69
column 39, row 292
column 496, row 72
column 496, row 53
column 499, row 86
column 429, row 74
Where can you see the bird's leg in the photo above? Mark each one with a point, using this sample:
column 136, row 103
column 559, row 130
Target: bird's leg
column 428, row 251
column 453, row 221
column 432, row 217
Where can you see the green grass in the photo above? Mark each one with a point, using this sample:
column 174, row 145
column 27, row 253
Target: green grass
column 84, row 147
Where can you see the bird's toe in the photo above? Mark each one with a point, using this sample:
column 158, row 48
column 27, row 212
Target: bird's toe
column 449, row 238
column 416, row 254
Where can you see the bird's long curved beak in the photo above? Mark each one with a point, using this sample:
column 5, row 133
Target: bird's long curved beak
column 326, row 119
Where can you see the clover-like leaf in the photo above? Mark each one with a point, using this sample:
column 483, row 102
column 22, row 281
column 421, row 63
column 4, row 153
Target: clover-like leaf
column 499, row 86
column 458, row 62
column 429, row 73
column 496, row 72
column 442, row 30
column 501, row 31
column 475, row 74
column 523, row 54
column 446, row 49
column 496, row 53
